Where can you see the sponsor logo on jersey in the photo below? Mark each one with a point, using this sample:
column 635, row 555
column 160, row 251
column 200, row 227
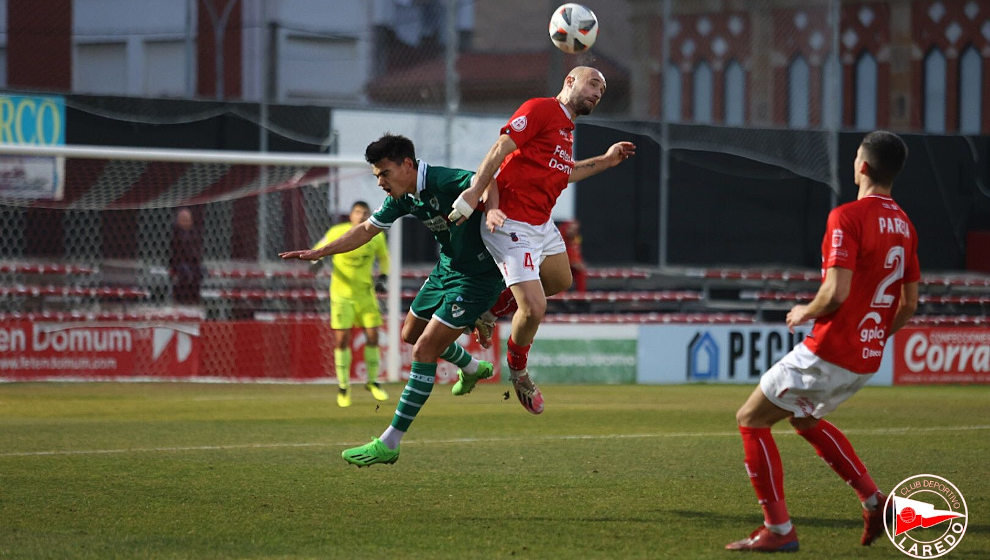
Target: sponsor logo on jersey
column 565, row 163
column 871, row 335
column 929, row 516
column 436, row 223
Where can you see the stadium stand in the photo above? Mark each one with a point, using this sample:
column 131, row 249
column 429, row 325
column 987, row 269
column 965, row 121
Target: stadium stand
column 615, row 295
column 39, row 287
column 636, row 295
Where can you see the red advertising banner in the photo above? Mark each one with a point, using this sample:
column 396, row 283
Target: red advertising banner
column 294, row 350
column 941, row 355
column 34, row 350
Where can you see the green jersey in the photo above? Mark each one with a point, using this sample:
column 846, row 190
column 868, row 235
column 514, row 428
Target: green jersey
column 461, row 247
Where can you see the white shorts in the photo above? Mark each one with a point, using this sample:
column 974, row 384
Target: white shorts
column 807, row 385
column 519, row 248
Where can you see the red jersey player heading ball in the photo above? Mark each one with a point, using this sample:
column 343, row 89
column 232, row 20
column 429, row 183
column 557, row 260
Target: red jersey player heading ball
column 532, row 162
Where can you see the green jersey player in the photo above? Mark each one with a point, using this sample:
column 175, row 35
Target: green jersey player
column 464, row 283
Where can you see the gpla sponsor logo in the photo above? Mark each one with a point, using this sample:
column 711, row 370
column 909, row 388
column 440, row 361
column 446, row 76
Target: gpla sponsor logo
column 876, row 332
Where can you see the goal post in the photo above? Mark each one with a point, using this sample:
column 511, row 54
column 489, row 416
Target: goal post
column 114, row 208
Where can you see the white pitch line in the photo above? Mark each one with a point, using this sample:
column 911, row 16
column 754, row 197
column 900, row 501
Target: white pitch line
column 62, row 452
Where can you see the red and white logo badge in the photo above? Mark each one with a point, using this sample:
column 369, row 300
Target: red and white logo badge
column 837, row 238
column 519, row 123
column 929, row 516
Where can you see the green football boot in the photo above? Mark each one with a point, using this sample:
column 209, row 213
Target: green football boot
column 370, row 454
column 466, row 381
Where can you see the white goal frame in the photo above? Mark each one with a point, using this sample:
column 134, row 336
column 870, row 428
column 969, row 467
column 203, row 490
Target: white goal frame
column 290, row 159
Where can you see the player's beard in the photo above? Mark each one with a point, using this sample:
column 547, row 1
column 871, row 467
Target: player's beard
column 585, row 107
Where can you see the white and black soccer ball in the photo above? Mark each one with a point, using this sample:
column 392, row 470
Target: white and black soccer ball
column 573, row 28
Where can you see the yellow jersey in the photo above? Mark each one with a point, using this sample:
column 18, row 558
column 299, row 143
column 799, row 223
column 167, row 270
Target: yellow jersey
column 353, row 271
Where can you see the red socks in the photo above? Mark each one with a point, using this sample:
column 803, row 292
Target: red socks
column 833, row 447
column 505, row 305
column 517, row 356
column 766, row 473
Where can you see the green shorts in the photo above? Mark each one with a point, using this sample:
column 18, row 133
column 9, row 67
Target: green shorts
column 363, row 311
column 456, row 299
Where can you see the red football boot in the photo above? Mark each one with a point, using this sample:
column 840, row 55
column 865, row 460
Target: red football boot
column 765, row 540
column 873, row 520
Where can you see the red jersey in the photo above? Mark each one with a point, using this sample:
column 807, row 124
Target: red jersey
column 875, row 239
column 533, row 176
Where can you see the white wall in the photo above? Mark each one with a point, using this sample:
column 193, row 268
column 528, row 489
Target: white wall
column 322, row 49
column 129, row 47
column 471, row 139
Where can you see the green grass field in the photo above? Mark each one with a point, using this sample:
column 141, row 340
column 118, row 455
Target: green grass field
column 254, row 471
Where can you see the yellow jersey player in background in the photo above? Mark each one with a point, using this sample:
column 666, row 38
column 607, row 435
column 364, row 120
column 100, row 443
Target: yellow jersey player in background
column 353, row 302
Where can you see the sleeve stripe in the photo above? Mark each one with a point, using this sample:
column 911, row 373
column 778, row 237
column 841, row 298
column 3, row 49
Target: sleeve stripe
column 378, row 224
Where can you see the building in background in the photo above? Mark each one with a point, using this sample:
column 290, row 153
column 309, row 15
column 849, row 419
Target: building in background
column 902, row 64
column 916, row 65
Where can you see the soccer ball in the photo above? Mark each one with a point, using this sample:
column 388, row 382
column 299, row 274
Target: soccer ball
column 573, row 28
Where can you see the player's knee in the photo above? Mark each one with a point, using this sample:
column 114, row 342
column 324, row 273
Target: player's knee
column 409, row 335
column 533, row 310
column 744, row 416
column 424, row 352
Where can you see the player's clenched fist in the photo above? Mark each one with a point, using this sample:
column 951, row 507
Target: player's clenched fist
column 462, row 210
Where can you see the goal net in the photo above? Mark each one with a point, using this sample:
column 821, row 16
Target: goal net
column 99, row 279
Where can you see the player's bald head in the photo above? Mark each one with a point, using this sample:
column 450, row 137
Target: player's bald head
column 584, row 73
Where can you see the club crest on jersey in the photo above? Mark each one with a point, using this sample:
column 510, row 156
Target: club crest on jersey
column 434, row 203
column 519, row 123
column 837, row 238
column 456, row 311
column 514, row 237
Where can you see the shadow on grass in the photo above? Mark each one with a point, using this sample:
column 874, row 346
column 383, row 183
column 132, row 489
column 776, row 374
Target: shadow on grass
column 722, row 519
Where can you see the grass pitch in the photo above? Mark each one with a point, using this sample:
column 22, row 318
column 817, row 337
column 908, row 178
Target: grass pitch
column 254, row 471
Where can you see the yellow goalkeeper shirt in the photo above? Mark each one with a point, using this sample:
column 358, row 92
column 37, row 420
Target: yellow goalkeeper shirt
column 352, row 272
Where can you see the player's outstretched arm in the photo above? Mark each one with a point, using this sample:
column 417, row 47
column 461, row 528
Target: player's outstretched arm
column 616, row 154
column 354, row 238
column 465, row 204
